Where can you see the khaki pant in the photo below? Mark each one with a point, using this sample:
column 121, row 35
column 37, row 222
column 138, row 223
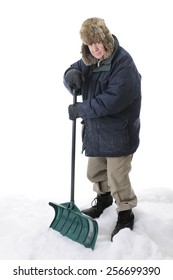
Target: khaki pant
column 111, row 174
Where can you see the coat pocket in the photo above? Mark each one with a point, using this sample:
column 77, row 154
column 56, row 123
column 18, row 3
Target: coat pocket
column 113, row 137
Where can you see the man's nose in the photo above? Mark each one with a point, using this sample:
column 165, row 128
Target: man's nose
column 94, row 46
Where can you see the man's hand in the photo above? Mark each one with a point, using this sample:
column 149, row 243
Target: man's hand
column 73, row 80
column 73, row 111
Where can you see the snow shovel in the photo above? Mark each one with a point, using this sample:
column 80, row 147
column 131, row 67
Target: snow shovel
column 69, row 220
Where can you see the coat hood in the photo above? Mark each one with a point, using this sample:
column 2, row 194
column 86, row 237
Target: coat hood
column 94, row 30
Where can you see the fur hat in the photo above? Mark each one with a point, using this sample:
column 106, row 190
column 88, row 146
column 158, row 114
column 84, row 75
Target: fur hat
column 94, row 30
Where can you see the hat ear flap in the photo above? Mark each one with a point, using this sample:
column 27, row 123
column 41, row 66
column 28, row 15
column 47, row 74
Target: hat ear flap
column 87, row 58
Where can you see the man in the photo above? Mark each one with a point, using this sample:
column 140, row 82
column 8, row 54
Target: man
column 110, row 85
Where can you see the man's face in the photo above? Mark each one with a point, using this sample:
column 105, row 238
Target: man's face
column 97, row 50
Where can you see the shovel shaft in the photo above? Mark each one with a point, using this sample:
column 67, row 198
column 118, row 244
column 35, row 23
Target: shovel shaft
column 73, row 151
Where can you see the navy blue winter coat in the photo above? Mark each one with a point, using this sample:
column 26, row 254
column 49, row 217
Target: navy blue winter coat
column 111, row 106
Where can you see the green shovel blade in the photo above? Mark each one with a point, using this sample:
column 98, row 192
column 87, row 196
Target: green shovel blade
column 71, row 222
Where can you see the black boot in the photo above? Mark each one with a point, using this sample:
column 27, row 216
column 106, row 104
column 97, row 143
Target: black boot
column 125, row 220
column 102, row 201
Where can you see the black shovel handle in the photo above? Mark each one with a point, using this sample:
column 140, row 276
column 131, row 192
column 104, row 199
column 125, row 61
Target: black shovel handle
column 73, row 151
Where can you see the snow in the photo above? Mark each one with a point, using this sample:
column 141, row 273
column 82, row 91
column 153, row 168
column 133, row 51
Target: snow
column 25, row 232
column 35, row 143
